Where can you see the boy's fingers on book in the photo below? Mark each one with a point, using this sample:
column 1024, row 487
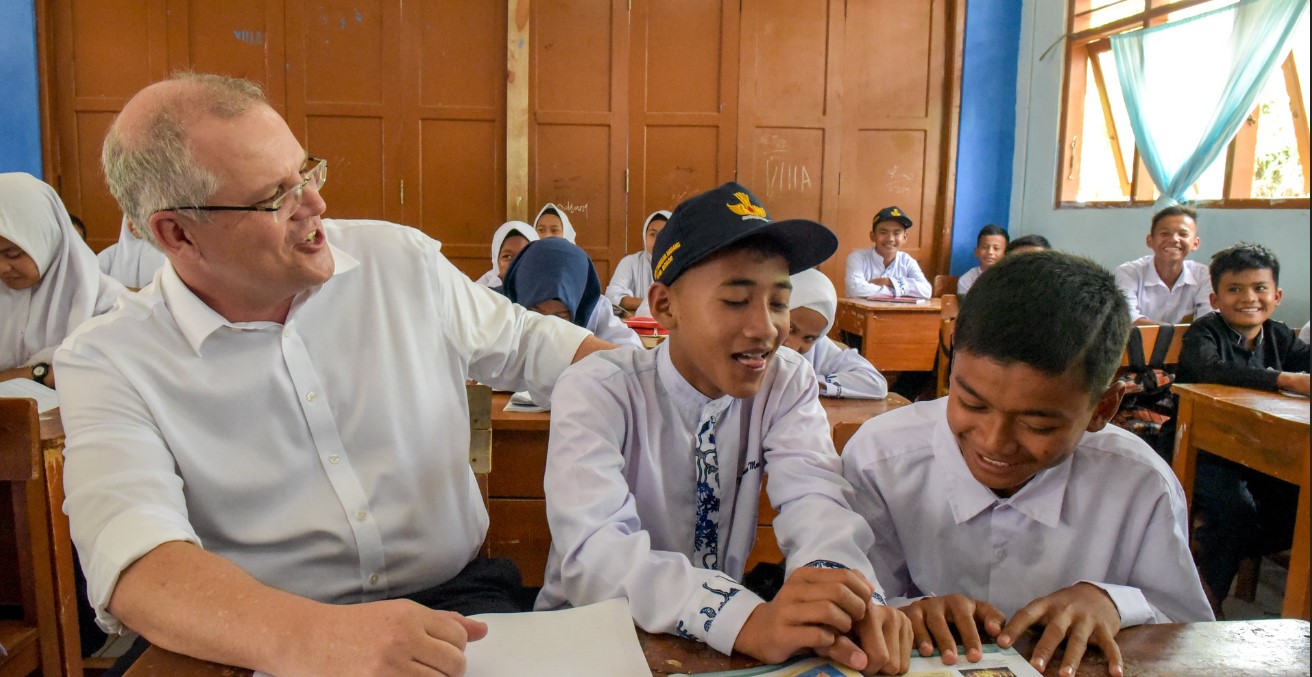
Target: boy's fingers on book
column 989, row 616
column 937, row 621
column 1077, row 642
column 845, row 651
column 1052, row 637
column 1105, row 638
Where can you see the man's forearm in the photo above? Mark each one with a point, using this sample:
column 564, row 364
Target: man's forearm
column 590, row 345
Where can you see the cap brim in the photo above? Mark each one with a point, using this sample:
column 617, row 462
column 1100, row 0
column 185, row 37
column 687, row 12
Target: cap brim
column 806, row 243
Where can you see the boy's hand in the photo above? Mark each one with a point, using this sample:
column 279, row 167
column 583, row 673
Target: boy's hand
column 885, row 635
column 814, row 609
column 882, row 282
column 1293, row 382
column 1075, row 614
column 932, row 617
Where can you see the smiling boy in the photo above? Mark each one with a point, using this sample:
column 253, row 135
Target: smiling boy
column 657, row 458
column 1010, row 503
column 884, row 269
column 1164, row 286
column 990, row 246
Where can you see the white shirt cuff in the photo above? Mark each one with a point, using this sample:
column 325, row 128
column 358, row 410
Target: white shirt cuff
column 729, row 621
column 1130, row 603
column 126, row 539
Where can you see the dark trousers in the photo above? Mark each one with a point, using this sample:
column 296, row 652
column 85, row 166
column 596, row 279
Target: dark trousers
column 483, row 586
column 1238, row 513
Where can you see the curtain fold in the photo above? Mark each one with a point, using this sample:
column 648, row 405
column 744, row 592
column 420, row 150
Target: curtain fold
column 1189, row 85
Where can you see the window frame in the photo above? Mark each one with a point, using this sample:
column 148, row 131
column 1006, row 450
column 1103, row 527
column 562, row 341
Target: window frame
column 1083, row 45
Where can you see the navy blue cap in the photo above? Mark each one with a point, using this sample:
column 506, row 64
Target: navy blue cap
column 892, row 214
column 706, row 223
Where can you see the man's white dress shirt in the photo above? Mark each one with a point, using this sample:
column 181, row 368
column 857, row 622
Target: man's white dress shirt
column 1150, row 298
column 866, row 264
column 1111, row 514
column 327, row 456
column 621, row 490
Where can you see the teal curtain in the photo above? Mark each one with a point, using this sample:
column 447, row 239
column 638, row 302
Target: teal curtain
column 1190, row 84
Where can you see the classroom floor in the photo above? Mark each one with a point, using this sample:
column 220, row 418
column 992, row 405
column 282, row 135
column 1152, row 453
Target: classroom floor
column 1266, row 603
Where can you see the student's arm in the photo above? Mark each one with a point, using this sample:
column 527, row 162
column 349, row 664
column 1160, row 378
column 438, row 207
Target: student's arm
column 621, row 286
column 1201, row 362
column 19, row 372
column 1129, row 285
column 912, row 282
column 1294, row 357
column 856, row 282
column 611, row 329
column 843, row 372
column 589, row 346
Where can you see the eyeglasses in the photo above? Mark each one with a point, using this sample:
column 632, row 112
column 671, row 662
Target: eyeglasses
column 282, row 206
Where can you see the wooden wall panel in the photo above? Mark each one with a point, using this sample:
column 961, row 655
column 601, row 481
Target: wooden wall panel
column 243, row 38
column 128, row 30
column 463, row 196
column 353, row 147
column 786, row 171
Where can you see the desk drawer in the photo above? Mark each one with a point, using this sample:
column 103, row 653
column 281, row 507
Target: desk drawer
column 850, row 320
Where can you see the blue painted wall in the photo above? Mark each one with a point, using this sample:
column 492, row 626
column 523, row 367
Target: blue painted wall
column 20, row 113
column 986, row 142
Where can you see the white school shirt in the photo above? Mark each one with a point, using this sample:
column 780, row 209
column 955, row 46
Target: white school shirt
column 843, row 372
column 965, row 282
column 866, row 264
column 1149, row 297
column 606, row 326
column 327, row 456
column 620, row 487
column 1111, row 514
column 632, row 278
column 1305, row 334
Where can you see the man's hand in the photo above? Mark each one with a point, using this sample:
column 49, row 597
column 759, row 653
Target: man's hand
column 396, row 637
column 1075, row 614
column 932, row 616
column 886, row 637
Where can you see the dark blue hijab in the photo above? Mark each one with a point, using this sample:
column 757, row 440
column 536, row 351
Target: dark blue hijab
column 554, row 268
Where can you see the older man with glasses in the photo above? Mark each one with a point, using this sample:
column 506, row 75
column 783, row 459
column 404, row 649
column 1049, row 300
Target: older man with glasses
column 267, row 447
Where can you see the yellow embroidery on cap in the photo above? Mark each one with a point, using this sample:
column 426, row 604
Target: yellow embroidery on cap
column 746, row 209
column 895, row 212
column 666, row 259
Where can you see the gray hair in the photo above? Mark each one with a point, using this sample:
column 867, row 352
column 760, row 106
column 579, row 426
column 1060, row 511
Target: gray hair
column 150, row 168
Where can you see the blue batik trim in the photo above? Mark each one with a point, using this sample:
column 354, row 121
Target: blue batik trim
column 706, row 537
column 708, row 612
column 826, row 564
column 682, row 631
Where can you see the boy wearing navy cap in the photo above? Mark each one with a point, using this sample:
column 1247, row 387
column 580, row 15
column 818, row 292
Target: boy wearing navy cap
column 884, row 270
column 656, row 458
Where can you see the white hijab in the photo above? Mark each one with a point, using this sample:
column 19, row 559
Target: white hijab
column 34, row 321
column 566, row 226
column 812, row 289
column 131, row 260
column 492, row 278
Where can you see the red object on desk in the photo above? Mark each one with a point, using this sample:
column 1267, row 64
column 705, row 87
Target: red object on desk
column 646, row 326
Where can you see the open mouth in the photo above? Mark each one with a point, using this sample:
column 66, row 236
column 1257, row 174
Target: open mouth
column 752, row 360
column 313, row 237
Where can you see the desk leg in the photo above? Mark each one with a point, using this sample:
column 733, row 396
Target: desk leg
column 1296, row 586
column 1185, row 462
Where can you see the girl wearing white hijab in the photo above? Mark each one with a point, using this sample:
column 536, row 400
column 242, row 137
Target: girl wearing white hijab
column 842, row 371
column 132, row 261
column 628, row 286
column 503, row 251
column 51, row 282
column 556, row 225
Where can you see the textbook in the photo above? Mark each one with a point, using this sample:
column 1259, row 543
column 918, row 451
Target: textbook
column 46, row 398
column 997, row 662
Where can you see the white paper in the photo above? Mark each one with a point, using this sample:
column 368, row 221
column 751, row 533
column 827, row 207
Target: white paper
column 597, row 640
column 46, row 398
column 523, row 403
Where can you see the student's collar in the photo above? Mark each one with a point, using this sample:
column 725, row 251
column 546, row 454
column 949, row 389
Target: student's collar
column 1041, row 499
column 1238, row 339
column 1188, row 274
column 197, row 321
column 685, row 397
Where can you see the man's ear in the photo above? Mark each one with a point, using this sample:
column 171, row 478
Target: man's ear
column 172, row 235
column 1107, row 406
column 661, row 304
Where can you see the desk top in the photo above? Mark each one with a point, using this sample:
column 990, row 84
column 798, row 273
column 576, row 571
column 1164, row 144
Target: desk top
column 1251, row 648
column 933, row 305
column 1277, row 406
column 52, row 429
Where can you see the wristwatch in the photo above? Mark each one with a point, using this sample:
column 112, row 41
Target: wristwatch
column 40, row 371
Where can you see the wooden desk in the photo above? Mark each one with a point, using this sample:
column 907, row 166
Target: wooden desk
column 894, row 336
column 1267, row 432
column 1249, row 648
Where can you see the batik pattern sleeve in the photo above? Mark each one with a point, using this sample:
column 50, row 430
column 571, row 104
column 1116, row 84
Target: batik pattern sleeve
column 910, row 280
column 595, row 528
column 806, row 482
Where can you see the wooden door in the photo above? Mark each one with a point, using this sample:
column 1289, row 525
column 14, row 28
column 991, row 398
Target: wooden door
column 579, row 120
column 683, row 102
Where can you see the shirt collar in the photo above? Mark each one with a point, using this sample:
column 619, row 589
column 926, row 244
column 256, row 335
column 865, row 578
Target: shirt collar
column 1041, row 499
column 196, row 320
column 1238, row 339
column 1188, row 276
column 687, row 399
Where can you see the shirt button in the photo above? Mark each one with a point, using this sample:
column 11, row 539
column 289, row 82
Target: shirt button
column 286, row 331
column 309, row 397
column 373, row 580
column 333, row 459
column 361, row 515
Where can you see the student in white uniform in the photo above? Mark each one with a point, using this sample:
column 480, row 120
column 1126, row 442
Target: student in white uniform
column 628, row 286
column 555, row 277
column 1011, row 503
column 552, row 221
column 656, row 458
column 1165, row 286
column 132, row 261
column 990, row 246
column 885, row 270
column 51, row 283
column 842, row 372
column 507, row 242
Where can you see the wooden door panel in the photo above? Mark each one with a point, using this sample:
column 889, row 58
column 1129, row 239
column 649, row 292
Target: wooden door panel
column 786, row 47
column 682, row 40
column 786, row 170
column 678, row 162
column 572, row 51
column 463, row 54
column 95, row 205
column 354, row 150
column 573, row 170
column 242, row 38
column 892, row 60
column 345, row 57
column 463, row 188
column 130, row 32
column 881, row 168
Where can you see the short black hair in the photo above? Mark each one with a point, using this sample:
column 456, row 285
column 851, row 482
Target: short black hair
column 991, row 230
column 1174, row 210
column 1028, row 241
column 1051, row 311
column 1241, row 257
